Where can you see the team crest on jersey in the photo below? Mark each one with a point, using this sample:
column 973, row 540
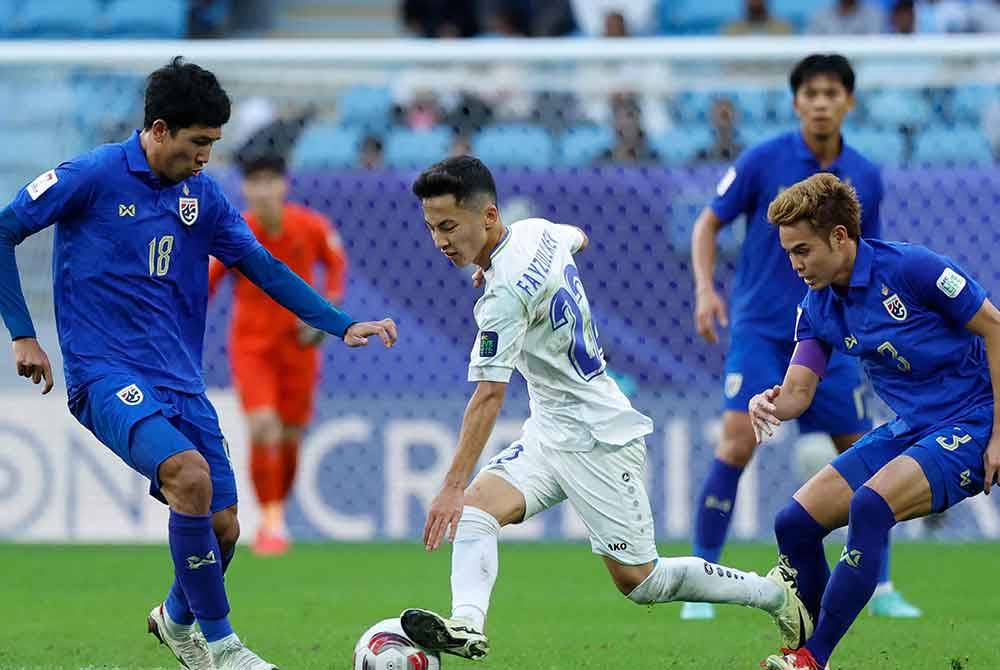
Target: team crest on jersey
column 189, row 210
column 130, row 395
column 734, row 382
column 894, row 305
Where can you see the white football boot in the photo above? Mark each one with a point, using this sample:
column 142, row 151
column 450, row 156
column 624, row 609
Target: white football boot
column 234, row 655
column 452, row 636
column 793, row 619
column 189, row 647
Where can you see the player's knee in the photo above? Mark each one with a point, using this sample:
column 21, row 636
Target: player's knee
column 786, row 522
column 627, row 578
column 869, row 509
column 185, row 476
column 265, row 427
column 737, row 445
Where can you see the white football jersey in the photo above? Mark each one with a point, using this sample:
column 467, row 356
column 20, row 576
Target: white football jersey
column 534, row 316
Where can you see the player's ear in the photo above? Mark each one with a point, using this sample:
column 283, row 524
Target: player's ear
column 492, row 214
column 159, row 130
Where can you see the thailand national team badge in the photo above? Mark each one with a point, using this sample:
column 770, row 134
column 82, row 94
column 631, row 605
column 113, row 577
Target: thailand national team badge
column 130, row 395
column 894, row 305
column 189, row 210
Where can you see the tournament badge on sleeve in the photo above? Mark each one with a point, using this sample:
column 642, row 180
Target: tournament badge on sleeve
column 188, row 210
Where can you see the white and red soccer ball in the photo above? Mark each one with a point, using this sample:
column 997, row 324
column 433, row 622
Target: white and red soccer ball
column 385, row 646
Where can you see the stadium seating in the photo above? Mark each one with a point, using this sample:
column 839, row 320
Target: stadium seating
column 753, row 104
column 163, row 19
column 514, row 145
column 584, row 144
column 958, row 145
column 327, row 145
column 416, row 149
column 969, row 102
column 885, row 147
column 897, row 107
column 697, row 17
column 680, row 145
column 57, row 19
column 369, row 107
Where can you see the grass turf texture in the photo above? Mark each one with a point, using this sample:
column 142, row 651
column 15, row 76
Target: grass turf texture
column 553, row 607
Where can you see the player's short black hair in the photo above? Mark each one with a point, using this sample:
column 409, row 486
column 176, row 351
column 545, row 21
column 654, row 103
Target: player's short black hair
column 833, row 65
column 184, row 95
column 263, row 163
column 464, row 177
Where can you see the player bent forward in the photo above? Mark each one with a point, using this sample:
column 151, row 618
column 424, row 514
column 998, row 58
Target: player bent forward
column 930, row 342
column 583, row 441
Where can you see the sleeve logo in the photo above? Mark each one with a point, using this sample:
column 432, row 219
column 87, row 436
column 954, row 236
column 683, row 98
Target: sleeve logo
column 42, row 183
column 489, row 341
column 951, row 283
column 726, row 181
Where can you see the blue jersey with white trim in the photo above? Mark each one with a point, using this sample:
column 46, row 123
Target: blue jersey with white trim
column 130, row 263
column 904, row 314
column 766, row 290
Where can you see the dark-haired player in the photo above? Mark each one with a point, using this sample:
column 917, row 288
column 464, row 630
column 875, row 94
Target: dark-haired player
column 765, row 292
column 135, row 225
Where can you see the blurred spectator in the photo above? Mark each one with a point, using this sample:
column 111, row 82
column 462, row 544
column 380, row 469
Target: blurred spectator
column 422, row 112
column 460, row 146
column 503, row 21
column 614, row 25
column 208, row 18
column 725, row 147
column 636, row 17
column 440, row 18
column 469, row 114
column 552, row 18
column 903, row 18
column 370, row 157
column 758, row 21
column 991, row 126
column 847, row 17
column 631, row 144
column 944, row 16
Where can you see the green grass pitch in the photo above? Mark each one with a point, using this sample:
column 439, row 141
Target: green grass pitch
column 554, row 607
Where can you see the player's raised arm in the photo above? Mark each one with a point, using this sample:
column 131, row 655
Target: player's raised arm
column 709, row 307
column 477, row 424
column 793, row 397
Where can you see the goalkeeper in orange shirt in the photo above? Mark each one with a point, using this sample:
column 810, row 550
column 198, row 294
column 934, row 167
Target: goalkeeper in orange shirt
column 274, row 356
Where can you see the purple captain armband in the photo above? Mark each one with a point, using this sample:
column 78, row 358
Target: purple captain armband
column 812, row 354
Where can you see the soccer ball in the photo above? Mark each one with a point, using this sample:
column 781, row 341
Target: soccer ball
column 385, row 646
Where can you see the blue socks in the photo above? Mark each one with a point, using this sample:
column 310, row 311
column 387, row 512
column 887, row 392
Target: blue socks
column 177, row 602
column 854, row 579
column 883, row 571
column 800, row 539
column 198, row 571
column 715, row 510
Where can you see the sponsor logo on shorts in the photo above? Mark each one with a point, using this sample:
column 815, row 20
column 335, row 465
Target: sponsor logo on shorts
column 617, row 546
column 130, row 395
column 966, row 476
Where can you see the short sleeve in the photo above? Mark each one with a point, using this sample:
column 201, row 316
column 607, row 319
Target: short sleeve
column 503, row 321
column 56, row 194
column 871, row 221
column 737, row 190
column 939, row 283
column 568, row 235
column 232, row 240
column 803, row 326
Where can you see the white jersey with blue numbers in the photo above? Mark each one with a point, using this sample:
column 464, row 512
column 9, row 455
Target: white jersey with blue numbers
column 534, row 316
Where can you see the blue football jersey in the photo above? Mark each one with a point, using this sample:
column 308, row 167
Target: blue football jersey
column 766, row 290
column 130, row 263
column 904, row 315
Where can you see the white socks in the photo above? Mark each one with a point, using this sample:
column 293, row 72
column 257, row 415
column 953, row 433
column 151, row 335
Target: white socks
column 473, row 566
column 694, row 580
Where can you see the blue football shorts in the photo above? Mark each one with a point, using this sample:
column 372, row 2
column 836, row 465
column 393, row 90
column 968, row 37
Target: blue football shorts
column 754, row 364
column 111, row 408
column 950, row 454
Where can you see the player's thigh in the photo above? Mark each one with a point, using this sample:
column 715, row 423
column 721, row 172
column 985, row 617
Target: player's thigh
column 516, row 484
column 827, row 495
column 839, row 407
column 199, row 422
column 904, row 486
column 297, row 383
column 950, row 458
column 606, row 488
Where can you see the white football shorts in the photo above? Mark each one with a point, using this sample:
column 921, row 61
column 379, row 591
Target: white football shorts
column 604, row 486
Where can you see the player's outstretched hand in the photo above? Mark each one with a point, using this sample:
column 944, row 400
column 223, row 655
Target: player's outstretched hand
column 709, row 309
column 32, row 362
column 357, row 335
column 991, row 461
column 443, row 516
column 762, row 416
column 477, row 277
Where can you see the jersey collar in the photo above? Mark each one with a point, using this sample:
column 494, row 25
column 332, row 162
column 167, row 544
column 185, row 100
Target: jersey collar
column 862, row 273
column 135, row 156
column 803, row 151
